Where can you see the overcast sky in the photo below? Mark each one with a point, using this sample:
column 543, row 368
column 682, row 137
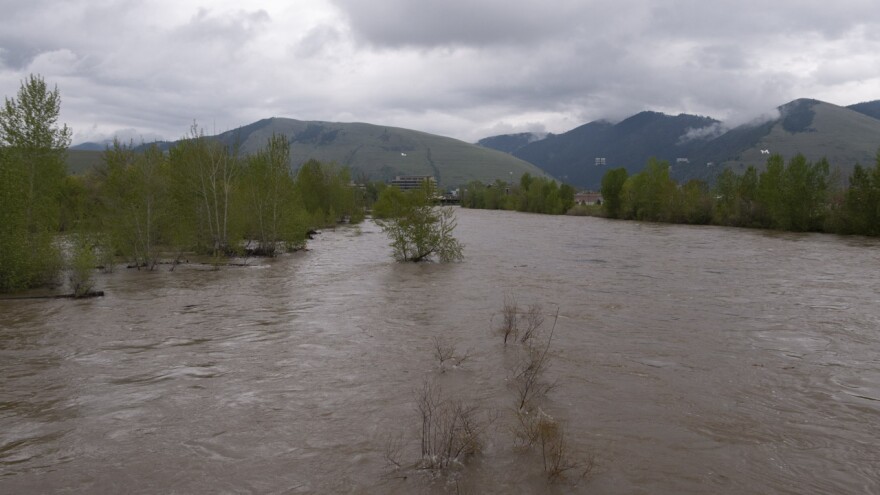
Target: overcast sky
column 466, row 69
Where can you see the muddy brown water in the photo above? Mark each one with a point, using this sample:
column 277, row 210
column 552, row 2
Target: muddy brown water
column 686, row 360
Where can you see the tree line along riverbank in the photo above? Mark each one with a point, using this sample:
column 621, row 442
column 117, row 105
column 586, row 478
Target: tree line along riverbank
column 143, row 203
column 799, row 196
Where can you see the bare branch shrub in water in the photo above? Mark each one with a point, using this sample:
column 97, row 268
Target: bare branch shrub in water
column 394, row 452
column 451, row 430
column 445, row 350
column 534, row 318
column 528, row 377
column 533, row 426
column 512, row 319
column 509, row 314
column 536, row 428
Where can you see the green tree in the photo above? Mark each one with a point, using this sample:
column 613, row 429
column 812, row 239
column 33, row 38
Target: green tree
column 566, row 196
column 391, row 202
column 793, row 197
column 327, row 193
column 748, row 195
column 32, row 169
column 82, row 265
column 272, row 212
column 612, row 188
column 76, row 200
column 694, row 203
column 204, row 173
column 417, row 229
column 135, row 202
column 650, row 194
column 726, row 208
column 770, row 193
column 806, row 193
column 474, row 195
column 861, row 207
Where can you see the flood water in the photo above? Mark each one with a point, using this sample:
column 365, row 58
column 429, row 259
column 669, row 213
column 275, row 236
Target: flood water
column 686, row 360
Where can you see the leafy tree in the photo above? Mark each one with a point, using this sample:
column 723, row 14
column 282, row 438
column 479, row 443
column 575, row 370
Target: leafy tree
column 649, row 195
column 861, row 208
column 525, row 181
column 533, row 194
column 34, row 142
column 135, row 201
column 32, row 169
column 474, row 195
column 726, row 209
column 612, row 187
column 76, row 200
column 770, row 194
column 326, row 193
column 808, row 194
column 392, row 201
column 793, row 197
column 82, row 265
column 417, row 229
column 694, row 204
column 204, row 174
column 748, row 195
column 269, row 199
column 566, row 196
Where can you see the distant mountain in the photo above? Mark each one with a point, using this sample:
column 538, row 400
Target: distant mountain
column 380, row 152
column 700, row 147
column 869, row 108
column 510, row 143
column 91, row 146
column 573, row 156
column 811, row 127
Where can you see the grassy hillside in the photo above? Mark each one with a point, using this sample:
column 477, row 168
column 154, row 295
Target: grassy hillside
column 869, row 108
column 371, row 152
column 509, row 143
column 381, row 152
column 813, row 128
column 629, row 143
column 843, row 135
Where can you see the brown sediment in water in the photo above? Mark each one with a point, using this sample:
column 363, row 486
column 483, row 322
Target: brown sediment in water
column 688, row 359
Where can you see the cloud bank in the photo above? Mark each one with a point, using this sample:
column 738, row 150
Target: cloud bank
column 461, row 69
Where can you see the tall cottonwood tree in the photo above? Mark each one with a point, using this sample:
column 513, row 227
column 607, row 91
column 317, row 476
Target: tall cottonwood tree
column 204, row 173
column 134, row 196
column 861, row 208
column 612, row 188
column 326, row 193
column 273, row 212
column 32, row 151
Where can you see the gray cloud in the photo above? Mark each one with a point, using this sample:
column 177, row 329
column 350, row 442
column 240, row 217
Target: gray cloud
column 393, row 23
column 465, row 69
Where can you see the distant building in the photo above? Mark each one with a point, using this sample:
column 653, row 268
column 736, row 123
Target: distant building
column 588, row 198
column 410, row 182
column 682, row 160
column 600, row 161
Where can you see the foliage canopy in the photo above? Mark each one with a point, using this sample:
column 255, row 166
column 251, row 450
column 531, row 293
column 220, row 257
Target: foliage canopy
column 418, row 230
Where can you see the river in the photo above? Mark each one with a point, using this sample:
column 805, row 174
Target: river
column 685, row 360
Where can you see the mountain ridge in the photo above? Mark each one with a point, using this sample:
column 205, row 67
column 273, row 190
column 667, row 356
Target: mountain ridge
column 700, row 147
column 374, row 152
